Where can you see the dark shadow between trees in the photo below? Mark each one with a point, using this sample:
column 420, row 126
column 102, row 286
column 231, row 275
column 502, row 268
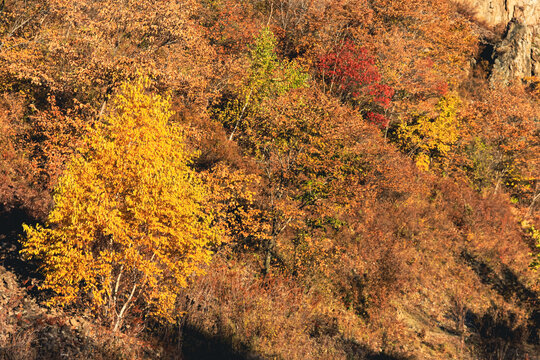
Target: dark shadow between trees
column 497, row 334
column 11, row 222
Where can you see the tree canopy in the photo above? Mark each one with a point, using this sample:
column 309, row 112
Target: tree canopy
column 128, row 222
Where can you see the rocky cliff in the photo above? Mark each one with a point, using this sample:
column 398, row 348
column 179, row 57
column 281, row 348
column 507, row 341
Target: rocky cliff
column 500, row 12
column 517, row 55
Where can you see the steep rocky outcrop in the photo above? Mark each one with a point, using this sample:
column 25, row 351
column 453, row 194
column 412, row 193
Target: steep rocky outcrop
column 517, row 55
column 498, row 13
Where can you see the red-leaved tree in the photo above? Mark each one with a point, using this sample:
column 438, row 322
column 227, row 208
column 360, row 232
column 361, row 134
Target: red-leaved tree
column 351, row 74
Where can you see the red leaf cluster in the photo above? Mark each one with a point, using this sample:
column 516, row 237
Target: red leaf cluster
column 353, row 75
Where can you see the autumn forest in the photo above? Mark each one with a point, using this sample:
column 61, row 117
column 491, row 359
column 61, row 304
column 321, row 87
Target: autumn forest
column 266, row 179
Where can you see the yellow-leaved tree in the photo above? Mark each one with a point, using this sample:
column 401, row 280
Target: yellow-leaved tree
column 430, row 139
column 128, row 227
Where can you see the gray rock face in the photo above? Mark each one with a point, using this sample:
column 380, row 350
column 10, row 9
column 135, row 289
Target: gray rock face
column 518, row 54
column 500, row 12
column 535, row 52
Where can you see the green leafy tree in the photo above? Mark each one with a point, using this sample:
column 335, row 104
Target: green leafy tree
column 268, row 77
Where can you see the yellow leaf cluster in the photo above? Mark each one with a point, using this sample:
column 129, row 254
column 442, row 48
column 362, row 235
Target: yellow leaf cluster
column 128, row 225
column 430, row 139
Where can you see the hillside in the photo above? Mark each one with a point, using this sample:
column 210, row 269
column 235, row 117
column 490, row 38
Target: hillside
column 269, row 179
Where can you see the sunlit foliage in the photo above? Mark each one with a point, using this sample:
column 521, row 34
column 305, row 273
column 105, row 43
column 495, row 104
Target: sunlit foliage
column 268, row 77
column 128, row 226
column 429, row 139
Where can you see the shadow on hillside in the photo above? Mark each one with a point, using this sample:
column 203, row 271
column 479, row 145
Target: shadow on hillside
column 44, row 337
column 496, row 336
column 10, row 232
column 356, row 351
column 507, row 285
column 497, row 333
column 198, row 345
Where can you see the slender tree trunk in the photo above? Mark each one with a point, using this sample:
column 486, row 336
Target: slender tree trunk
column 114, row 291
column 268, row 257
column 241, row 115
column 120, row 316
column 102, row 109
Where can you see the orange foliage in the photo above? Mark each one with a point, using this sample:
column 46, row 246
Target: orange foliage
column 335, row 240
